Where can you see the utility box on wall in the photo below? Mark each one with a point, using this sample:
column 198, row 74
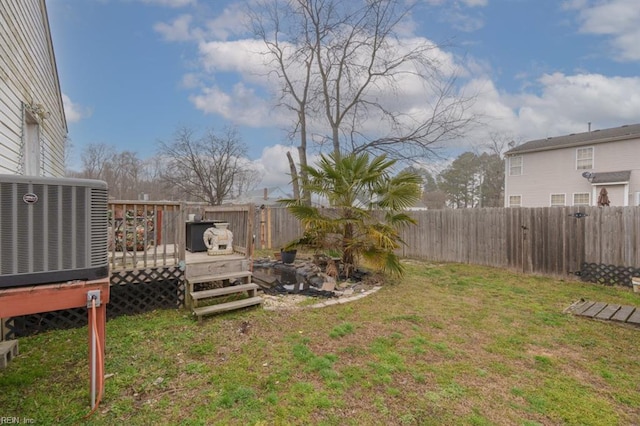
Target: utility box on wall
column 52, row 230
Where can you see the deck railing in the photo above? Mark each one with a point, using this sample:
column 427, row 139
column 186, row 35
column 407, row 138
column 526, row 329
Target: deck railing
column 144, row 234
column 149, row 234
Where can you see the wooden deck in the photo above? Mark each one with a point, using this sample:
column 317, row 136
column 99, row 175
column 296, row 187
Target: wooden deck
column 606, row 312
column 163, row 255
column 155, row 256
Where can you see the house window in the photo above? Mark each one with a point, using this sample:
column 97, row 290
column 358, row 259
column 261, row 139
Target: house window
column 584, row 158
column 581, row 199
column 515, row 166
column 557, row 200
column 515, row 200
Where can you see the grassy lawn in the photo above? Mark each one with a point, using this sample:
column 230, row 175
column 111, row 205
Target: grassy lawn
column 450, row 344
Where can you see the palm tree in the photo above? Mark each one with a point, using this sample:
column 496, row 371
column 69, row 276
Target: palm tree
column 367, row 208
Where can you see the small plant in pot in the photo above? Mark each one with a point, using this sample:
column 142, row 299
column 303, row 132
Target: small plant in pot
column 288, row 255
column 288, row 251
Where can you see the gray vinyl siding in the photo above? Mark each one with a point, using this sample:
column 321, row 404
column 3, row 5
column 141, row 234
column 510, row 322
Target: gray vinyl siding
column 554, row 171
column 28, row 75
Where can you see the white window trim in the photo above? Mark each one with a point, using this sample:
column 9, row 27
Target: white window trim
column 573, row 199
column 564, row 200
column 593, row 159
column 521, row 165
column 32, row 145
column 515, row 195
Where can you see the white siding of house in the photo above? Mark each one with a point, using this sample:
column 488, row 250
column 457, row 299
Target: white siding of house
column 28, row 76
column 554, row 171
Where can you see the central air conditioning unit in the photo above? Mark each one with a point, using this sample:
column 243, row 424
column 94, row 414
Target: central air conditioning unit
column 52, row 230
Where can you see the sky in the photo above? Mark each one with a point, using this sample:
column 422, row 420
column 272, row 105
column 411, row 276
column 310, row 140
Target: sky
column 132, row 72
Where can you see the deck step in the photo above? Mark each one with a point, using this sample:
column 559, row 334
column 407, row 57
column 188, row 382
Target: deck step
column 8, row 350
column 251, row 288
column 229, row 306
column 220, row 277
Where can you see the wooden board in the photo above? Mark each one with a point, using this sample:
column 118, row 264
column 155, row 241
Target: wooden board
column 623, row 313
column 608, row 312
column 604, row 311
column 231, row 276
column 230, row 306
column 594, row 310
column 579, row 309
column 51, row 297
column 251, row 288
column 217, row 266
column 634, row 318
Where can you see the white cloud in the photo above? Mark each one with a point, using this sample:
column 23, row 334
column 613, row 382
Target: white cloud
column 243, row 56
column 567, row 103
column 251, row 102
column 464, row 21
column 190, row 81
column 232, row 21
column 170, row 3
column 615, row 18
column 491, row 105
column 476, row 3
column 562, row 104
column 575, row 4
column 457, row 13
column 74, row 112
column 178, row 30
column 240, row 106
column 274, row 166
column 468, row 3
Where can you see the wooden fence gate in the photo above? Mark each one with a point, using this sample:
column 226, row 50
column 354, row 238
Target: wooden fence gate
column 549, row 241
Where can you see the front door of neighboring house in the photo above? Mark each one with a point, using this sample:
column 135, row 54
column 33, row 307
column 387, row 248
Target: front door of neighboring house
column 618, row 194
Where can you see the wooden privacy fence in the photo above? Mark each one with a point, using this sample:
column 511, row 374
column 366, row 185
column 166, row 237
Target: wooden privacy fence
column 532, row 240
column 555, row 241
column 275, row 227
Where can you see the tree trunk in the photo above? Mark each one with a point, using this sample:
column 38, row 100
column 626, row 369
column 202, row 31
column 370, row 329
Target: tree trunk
column 294, row 176
column 302, row 155
column 348, row 260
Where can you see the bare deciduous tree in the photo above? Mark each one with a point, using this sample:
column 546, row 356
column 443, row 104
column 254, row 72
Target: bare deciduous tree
column 123, row 175
column 95, row 159
column 292, row 60
column 342, row 66
column 246, row 180
column 123, row 171
column 204, row 168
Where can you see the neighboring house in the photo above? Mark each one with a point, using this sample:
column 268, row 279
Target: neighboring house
column 261, row 197
column 33, row 127
column 418, row 206
column 572, row 170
